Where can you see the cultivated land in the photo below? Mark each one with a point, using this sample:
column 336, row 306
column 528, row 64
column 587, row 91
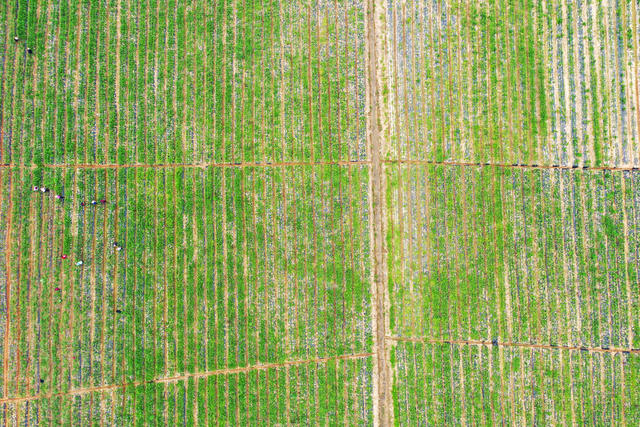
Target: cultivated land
column 331, row 212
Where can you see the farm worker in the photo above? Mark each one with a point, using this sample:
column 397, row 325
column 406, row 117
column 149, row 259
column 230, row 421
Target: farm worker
column 59, row 196
column 29, row 50
column 79, row 263
column 118, row 248
column 82, row 204
column 16, row 38
column 58, row 289
column 64, row 257
column 43, row 189
column 93, row 202
column 103, row 201
column 35, row 188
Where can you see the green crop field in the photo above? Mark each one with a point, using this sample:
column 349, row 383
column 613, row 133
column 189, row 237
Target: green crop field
column 333, row 212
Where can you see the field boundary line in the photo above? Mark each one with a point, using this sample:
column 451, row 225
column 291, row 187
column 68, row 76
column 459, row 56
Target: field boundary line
column 516, row 344
column 202, row 165
column 509, row 165
column 187, row 376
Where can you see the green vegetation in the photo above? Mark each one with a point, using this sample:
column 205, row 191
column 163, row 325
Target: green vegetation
column 511, row 254
column 162, row 82
column 507, row 81
column 235, row 147
column 493, row 385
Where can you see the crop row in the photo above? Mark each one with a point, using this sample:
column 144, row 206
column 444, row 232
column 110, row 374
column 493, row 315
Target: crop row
column 220, row 268
column 304, row 394
column 157, row 81
column 518, row 255
column 512, row 81
column 448, row 384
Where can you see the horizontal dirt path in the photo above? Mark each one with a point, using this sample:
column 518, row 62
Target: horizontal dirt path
column 195, row 165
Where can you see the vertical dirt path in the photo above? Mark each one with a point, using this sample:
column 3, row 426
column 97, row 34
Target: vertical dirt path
column 382, row 397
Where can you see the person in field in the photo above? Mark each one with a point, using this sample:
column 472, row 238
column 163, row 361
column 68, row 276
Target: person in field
column 35, row 188
column 16, row 39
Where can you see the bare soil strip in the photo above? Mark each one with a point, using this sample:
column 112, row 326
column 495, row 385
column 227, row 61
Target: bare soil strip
column 259, row 367
column 516, row 344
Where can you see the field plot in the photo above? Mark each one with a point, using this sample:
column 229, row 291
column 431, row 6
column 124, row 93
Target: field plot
column 224, row 269
column 165, row 82
column 507, row 81
column 448, row 384
column 519, row 255
column 533, row 262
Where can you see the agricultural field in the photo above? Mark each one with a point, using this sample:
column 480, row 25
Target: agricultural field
column 170, row 82
column 510, row 148
column 204, row 284
column 510, row 284
column 512, row 81
column 337, row 212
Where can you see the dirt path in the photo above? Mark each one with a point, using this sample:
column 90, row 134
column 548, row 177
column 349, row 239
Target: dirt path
column 382, row 401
